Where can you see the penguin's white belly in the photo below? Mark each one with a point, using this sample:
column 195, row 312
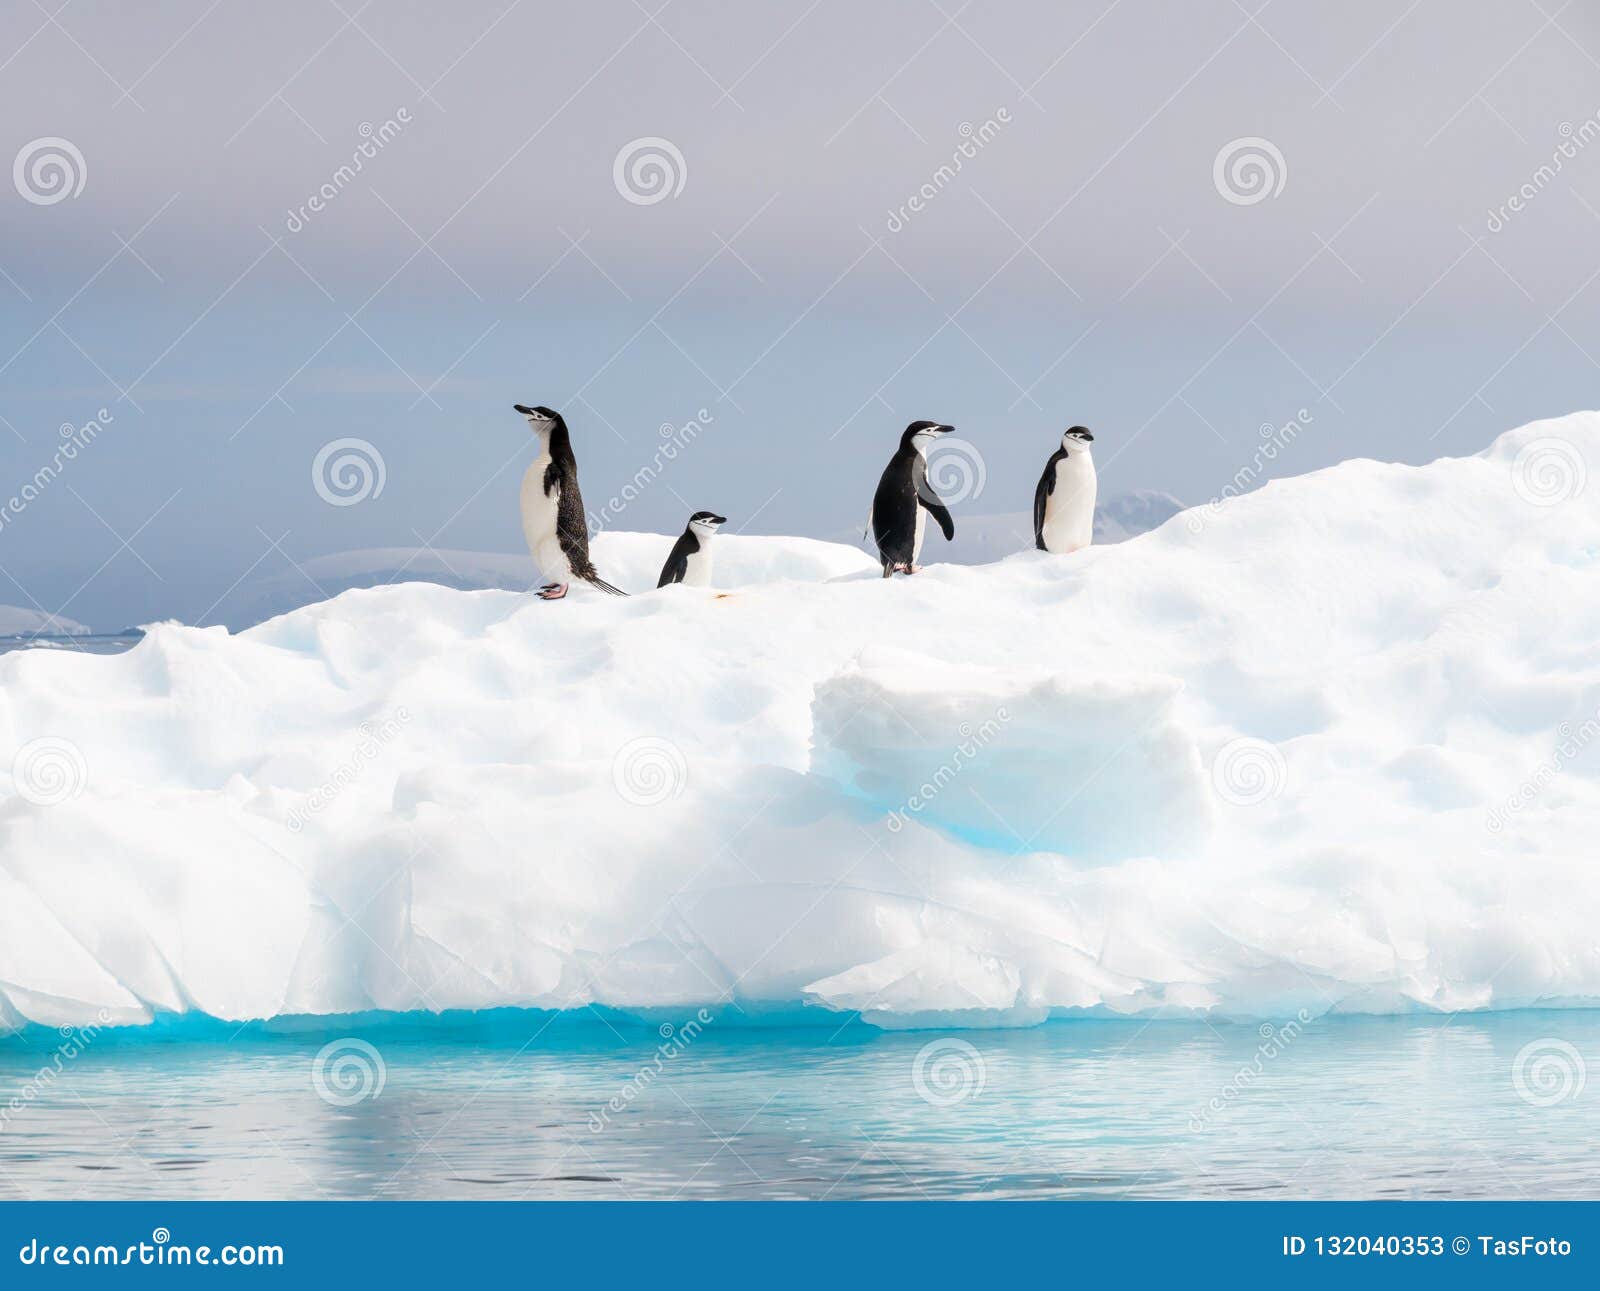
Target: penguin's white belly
column 916, row 542
column 1069, row 510
column 539, row 525
column 697, row 569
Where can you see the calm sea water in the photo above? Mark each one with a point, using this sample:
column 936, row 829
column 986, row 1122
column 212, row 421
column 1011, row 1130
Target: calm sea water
column 520, row 1106
column 95, row 643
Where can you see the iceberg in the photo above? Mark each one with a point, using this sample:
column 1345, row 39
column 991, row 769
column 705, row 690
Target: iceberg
column 1328, row 746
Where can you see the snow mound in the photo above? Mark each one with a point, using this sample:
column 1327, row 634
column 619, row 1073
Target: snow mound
column 1332, row 745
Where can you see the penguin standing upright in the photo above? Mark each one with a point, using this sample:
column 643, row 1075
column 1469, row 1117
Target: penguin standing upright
column 1063, row 504
column 690, row 559
column 904, row 496
column 553, row 520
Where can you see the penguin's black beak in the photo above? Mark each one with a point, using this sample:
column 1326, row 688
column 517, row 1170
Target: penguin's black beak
column 719, row 519
column 523, row 409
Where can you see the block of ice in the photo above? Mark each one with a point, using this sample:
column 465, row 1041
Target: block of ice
column 1332, row 745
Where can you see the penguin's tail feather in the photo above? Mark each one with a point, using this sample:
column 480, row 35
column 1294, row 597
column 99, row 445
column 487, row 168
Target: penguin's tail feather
column 604, row 586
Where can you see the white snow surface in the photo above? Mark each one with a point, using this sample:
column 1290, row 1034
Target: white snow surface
column 1330, row 746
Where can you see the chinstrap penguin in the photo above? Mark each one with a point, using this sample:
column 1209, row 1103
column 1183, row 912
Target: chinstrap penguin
column 553, row 519
column 905, row 499
column 1063, row 504
column 690, row 559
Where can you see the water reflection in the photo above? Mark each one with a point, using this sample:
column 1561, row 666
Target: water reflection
column 1384, row 1107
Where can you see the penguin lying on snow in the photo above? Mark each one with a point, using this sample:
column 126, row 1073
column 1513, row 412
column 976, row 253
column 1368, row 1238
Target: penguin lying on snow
column 553, row 520
column 1063, row 504
column 903, row 496
column 690, row 559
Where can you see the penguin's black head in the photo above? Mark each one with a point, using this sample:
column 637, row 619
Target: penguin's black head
column 707, row 521
column 919, row 434
column 1077, row 435
column 545, row 423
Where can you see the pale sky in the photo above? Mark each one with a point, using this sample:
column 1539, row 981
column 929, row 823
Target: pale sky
column 1094, row 259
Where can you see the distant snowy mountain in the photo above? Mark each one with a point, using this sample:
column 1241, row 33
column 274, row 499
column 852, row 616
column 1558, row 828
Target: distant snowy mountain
column 15, row 621
column 630, row 560
column 984, row 538
column 1127, row 515
column 323, row 577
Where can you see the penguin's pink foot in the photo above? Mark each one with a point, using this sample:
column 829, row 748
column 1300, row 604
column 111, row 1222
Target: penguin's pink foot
column 554, row 592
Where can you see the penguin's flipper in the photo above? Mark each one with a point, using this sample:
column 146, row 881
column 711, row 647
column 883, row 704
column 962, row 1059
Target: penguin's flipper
column 941, row 513
column 1047, row 485
column 677, row 567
